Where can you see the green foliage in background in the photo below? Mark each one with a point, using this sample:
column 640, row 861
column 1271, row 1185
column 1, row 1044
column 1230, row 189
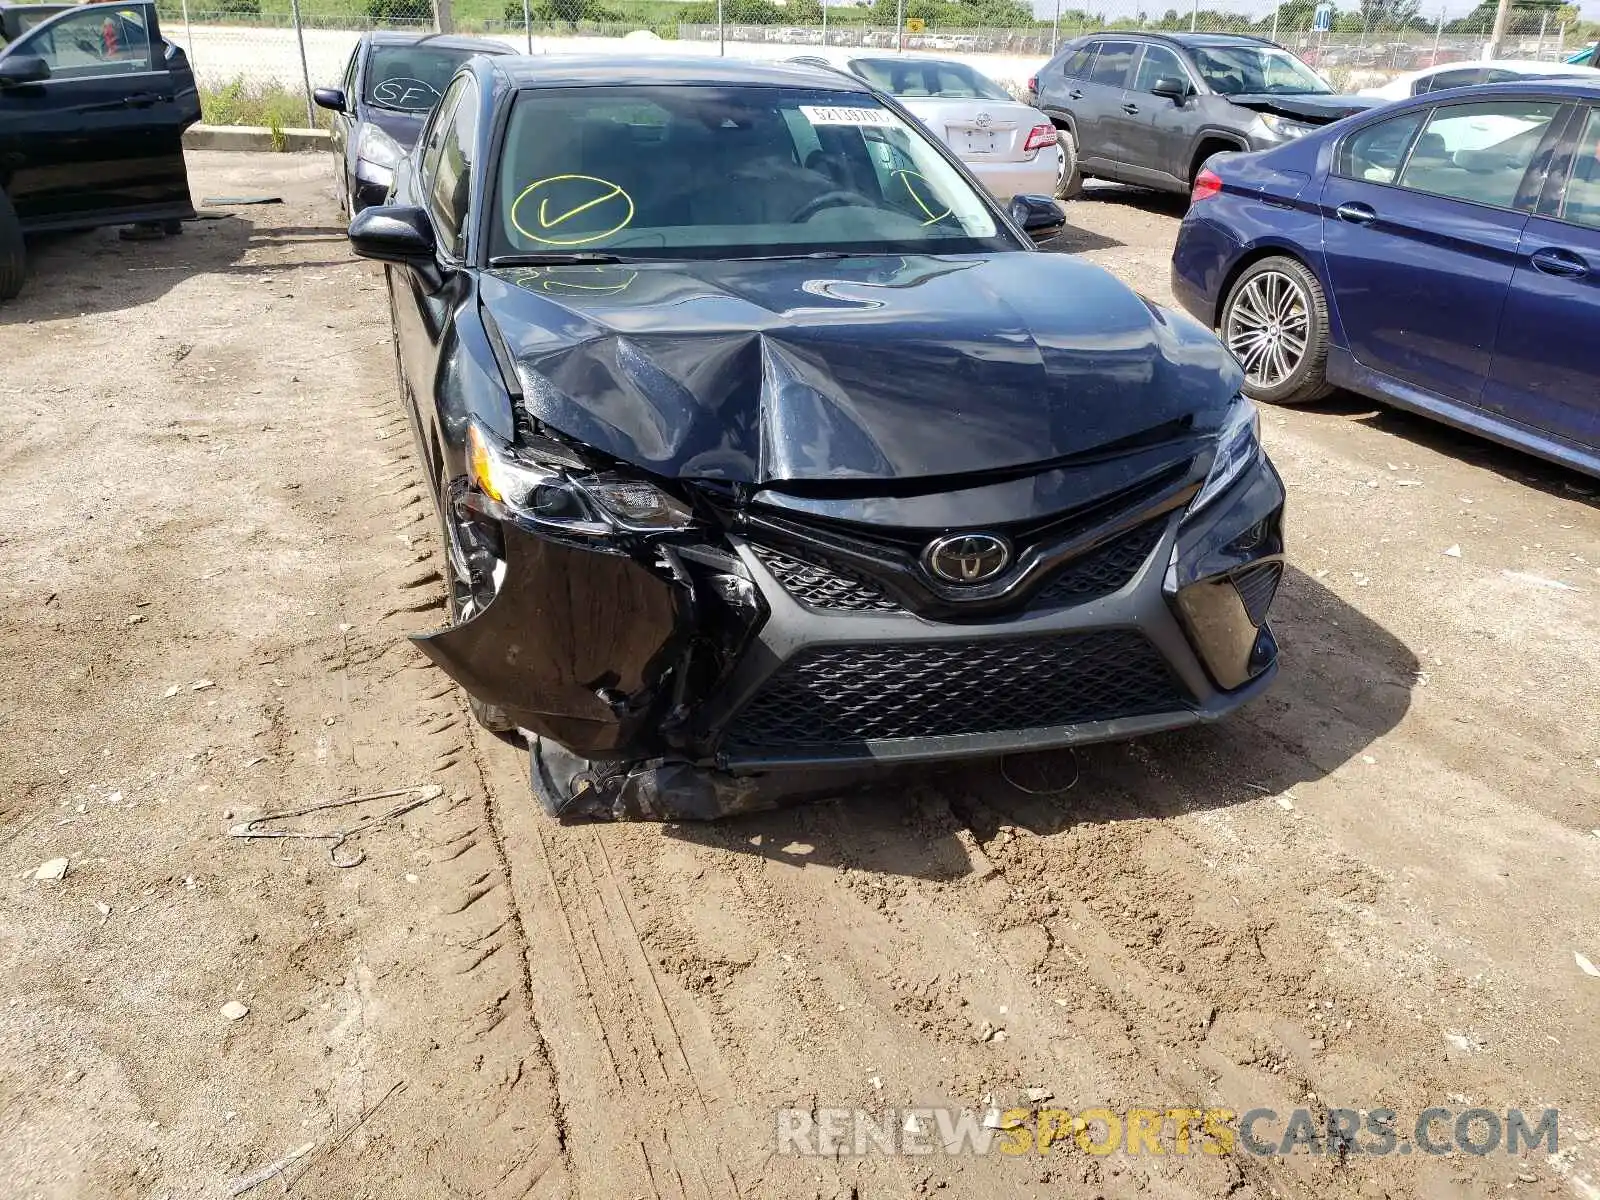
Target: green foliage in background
column 239, row 102
column 1370, row 20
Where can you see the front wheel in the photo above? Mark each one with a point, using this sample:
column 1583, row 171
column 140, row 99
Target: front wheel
column 1275, row 321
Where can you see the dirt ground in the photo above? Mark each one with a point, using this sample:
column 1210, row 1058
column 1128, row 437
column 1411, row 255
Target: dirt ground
column 1366, row 890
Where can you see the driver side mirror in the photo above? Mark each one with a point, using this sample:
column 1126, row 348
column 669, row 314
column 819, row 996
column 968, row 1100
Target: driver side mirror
column 393, row 234
column 1041, row 217
column 331, row 99
column 1174, row 89
column 23, row 68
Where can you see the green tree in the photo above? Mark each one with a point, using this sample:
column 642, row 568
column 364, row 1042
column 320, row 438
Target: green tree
column 1293, row 16
column 380, row 12
column 1525, row 18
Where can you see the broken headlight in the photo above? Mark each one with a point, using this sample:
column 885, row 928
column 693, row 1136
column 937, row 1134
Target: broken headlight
column 1283, row 127
column 1238, row 446
column 378, row 153
column 543, row 483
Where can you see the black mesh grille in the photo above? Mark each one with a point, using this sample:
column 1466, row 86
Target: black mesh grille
column 835, row 694
column 1257, row 586
column 824, row 587
column 1103, row 570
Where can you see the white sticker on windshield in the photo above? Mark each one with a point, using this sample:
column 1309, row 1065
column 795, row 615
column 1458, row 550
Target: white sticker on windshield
column 819, row 114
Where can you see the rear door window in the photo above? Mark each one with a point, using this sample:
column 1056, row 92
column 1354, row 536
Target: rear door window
column 1376, row 154
column 1112, row 63
column 1478, row 152
column 1158, row 63
column 1076, row 65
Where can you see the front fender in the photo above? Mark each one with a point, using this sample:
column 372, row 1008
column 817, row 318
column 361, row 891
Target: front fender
column 575, row 646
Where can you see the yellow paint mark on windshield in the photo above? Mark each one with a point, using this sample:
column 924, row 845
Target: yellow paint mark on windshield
column 584, row 193
column 905, row 178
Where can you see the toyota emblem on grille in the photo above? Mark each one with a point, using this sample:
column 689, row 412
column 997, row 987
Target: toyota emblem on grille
column 968, row 557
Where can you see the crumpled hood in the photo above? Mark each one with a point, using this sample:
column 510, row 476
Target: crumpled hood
column 1312, row 107
column 874, row 368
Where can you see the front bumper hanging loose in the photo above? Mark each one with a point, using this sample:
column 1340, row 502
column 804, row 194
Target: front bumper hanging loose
column 693, row 685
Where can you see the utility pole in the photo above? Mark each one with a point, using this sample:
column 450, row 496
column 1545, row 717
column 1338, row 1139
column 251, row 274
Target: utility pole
column 305, row 70
column 722, row 34
column 442, row 19
column 1055, row 30
column 900, row 26
column 1194, row 15
column 1499, row 34
column 824, row 22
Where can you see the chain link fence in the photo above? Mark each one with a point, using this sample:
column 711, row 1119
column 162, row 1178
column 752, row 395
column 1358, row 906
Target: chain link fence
column 257, row 60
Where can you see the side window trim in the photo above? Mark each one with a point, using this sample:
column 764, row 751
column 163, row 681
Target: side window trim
column 457, row 252
column 1551, row 200
column 427, row 159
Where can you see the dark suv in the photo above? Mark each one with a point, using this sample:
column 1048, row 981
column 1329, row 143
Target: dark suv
column 1151, row 108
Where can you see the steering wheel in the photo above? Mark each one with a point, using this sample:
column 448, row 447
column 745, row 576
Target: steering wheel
column 838, row 198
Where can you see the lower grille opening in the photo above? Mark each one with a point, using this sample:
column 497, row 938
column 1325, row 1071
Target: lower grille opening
column 1257, row 585
column 841, row 694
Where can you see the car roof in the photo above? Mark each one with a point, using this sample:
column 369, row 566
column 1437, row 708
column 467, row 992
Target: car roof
column 445, row 41
column 1528, row 66
column 1574, row 87
column 570, row 70
column 1193, row 39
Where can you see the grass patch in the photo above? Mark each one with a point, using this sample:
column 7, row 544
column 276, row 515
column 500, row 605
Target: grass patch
column 240, row 102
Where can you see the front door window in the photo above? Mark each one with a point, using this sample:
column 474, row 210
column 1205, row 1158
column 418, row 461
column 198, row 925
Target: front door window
column 95, row 42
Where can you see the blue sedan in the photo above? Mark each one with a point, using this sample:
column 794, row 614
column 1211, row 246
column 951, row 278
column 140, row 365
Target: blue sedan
column 1441, row 255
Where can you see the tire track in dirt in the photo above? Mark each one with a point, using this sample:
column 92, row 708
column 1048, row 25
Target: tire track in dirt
column 502, row 1132
column 274, row 547
column 633, row 1084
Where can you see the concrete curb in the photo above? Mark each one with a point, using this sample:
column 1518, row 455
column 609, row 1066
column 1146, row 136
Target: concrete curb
column 251, row 137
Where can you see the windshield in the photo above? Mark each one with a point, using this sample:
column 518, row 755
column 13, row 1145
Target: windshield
column 726, row 172
column 940, row 80
column 411, row 78
column 1256, row 70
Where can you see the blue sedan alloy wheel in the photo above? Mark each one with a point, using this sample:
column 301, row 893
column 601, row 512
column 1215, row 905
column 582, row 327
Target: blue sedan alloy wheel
column 1275, row 322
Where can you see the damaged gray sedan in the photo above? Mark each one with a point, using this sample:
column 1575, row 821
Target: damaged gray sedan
column 768, row 451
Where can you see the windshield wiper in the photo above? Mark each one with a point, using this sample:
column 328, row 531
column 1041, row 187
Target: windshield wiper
column 554, row 260
column 813, row 254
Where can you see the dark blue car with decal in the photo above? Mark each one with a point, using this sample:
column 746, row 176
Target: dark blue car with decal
column 1440, row 254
